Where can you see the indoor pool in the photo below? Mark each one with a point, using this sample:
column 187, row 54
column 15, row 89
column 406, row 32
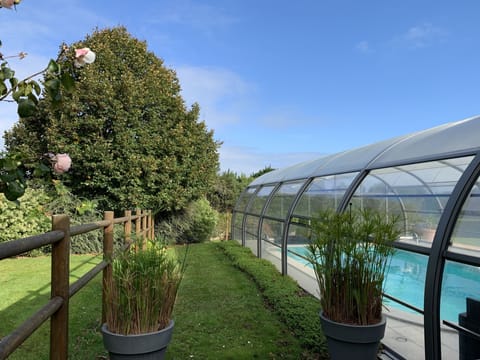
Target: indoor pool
column 406, row 278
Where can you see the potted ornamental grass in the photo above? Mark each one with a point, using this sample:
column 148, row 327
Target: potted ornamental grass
column 140, row 297
column 350, row 254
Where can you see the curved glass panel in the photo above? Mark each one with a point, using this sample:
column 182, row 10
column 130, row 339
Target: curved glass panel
column 460, row 304
column 244, row 199
column 323, row 193
column 417, row 192
column 272, row 231
column 405, row 280
column 282, row 200
column 251, row 233
column 257, row 203
column 460, row 297
column 466, row 235
column 237, row 227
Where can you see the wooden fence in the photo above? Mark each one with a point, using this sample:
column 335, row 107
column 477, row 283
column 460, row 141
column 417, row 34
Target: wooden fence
column 61, row 291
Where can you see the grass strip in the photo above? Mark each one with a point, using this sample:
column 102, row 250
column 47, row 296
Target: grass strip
column 297, row 309
column 220, row 314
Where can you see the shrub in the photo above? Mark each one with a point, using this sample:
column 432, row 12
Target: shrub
column 32, row 216
column 194, row 225
column 173, row 227
column 223, row 228
column 25, row 218
column 80, row 211
column 203, row 220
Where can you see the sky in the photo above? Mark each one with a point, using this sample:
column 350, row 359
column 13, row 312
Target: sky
column 281, row 82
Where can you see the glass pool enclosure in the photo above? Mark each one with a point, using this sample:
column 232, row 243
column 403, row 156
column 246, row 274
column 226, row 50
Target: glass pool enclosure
column 431, row 180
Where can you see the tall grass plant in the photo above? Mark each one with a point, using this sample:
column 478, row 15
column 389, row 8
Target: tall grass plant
column 143, row 289
column 350, row 252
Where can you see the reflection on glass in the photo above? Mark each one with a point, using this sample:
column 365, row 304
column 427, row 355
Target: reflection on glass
column 272, row 231
column 257, row 203
column 251, row 227
column 417, row 193
column 323, row 193
column 282, row 200
column 244, row 198
column 405, row 279
column 251, row 233
column 459, row 282
column 466, row 235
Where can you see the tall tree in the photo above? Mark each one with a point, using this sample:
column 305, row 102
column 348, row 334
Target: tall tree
column 132, row 140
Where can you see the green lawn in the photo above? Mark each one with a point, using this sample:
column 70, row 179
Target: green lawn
column 220, row 313
column 25, row 287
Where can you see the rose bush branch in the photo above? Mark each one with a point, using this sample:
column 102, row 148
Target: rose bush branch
column 26, row 94
column 57, row 79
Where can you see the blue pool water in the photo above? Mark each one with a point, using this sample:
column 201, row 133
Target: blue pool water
column 406, row 280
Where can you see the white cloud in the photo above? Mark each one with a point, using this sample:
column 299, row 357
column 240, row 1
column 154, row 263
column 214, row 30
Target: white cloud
column 284, row 117
column 220, row 93
column 363, row 47
column 204, row 17
column 422, row 35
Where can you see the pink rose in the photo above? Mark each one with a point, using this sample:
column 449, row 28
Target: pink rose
column 62, row 163
column 7, row 3
column 84, row 56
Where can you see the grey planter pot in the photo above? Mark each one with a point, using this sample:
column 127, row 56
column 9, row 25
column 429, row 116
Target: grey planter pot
column 151, row 346
column 346, row 341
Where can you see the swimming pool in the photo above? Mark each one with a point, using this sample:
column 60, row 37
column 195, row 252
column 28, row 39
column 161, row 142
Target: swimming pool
column 405, row 280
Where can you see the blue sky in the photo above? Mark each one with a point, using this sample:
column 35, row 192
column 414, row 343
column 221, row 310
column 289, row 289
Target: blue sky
column 281, row 82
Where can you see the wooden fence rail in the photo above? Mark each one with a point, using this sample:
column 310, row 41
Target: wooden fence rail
column 56, row 309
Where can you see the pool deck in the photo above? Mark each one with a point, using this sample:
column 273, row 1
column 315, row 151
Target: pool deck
column 405, row 335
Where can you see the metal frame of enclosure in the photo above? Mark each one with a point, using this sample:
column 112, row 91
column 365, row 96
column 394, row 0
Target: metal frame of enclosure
column 430, row 179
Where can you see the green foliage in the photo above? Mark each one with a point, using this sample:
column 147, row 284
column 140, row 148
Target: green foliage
column 226, row 190
column 32, row 216
column 297, row 309
column 261, row 172
column 132, row 141
column 194, row 224
column 173, row 227
column 27, row 218
column 223, row 229
column 80, row 211
column 26, row 93
column 350, row 252
column 203, row 220
column 12, row 177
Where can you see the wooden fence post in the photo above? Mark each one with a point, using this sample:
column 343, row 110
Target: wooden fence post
column 138, row 228
column 127, row 228
column 144, row 229
column 60, row 288
column 152, row 225
column 107, row 256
